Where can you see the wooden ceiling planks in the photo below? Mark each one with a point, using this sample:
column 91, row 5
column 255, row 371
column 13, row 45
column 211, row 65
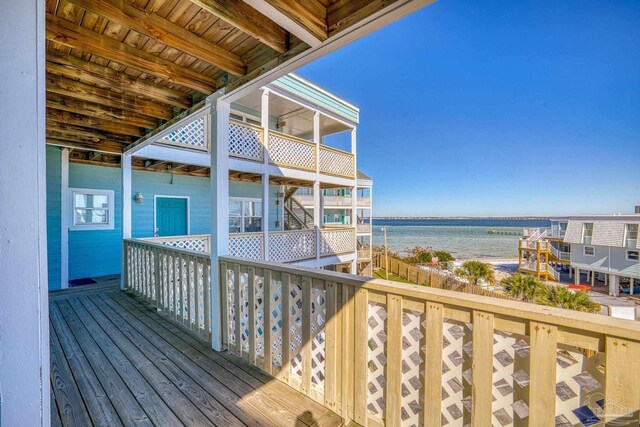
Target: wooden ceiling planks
column 117, row 69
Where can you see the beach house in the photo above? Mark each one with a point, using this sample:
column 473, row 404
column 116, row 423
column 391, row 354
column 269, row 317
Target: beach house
column 164, row 141
column 599, row 250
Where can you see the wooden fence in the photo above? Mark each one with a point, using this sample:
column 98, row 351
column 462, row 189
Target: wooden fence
column 387, row 353
column 432, row 279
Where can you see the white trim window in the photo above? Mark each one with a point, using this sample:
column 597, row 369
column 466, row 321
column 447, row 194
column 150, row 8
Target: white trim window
column 245, row 215
column 587, row 232
column 91, row 209
column 631, row 235
column 589, row 251
column 244, row 117
column 633, row 256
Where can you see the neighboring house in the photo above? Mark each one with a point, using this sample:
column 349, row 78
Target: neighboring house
column 276, row 150
column 603, row 248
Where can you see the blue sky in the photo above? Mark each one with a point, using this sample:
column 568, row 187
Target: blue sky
column 492, row 108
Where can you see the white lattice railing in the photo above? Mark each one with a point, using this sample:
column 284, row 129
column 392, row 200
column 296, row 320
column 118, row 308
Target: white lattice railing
column 177, row 281
column 193, row 135
column 381, row 352
column 193, row 242
column 364, row 201
column 337, row 241
column 289, row 151
column 246, row 141
column 336, row 162
column 342, row 201
column 247, row 245
column 293, row 245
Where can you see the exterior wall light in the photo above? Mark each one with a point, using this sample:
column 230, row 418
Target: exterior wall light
column 138, row 198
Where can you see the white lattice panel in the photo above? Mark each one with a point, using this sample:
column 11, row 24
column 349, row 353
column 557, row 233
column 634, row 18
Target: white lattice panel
column 243, row 305
column 377, row 360
column 295, row 330
column 336, row 163
column 232, row 307
column 337, row 241
column 198, row 243
column 510, row 378
column 258, row 288
column 292, row 245
column 191, row 135
column 290, row 152
column 412, row 367
column 246, row 246
column 276, row 323
column 318, row 320
column 245, row 141
column 456, row 372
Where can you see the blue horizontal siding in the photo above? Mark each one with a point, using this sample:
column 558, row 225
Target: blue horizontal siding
column 299, row 87
column 54, row 167
column 96, row 252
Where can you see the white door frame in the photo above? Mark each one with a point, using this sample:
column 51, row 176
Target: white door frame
column 155, row 200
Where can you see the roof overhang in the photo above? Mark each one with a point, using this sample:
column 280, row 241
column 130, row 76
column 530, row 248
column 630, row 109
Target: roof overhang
column 121, row 70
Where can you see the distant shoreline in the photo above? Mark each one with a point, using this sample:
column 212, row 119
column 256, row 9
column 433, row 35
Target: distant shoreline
column 479, row 218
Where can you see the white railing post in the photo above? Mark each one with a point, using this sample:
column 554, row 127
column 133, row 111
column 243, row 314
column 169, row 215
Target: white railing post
column 354, row 201
column 125, row 165
column 317, row 190
column 264, row 122
column 219, row 143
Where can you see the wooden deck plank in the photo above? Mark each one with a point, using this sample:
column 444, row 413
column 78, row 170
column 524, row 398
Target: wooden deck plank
column 256, row 396
column 67, row 396
column 278, row 393
column 129, row 365
column 219, row 406
column 93, row 364
column 173, row 398
column 117, row 365
column 55, row 416
column 245, row 403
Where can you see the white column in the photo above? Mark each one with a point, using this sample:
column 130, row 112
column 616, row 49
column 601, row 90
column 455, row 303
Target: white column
column 125, row 166
column 614, row 288
column 317, row 189
column 354, row 202
column 219, row 143
column 24, row 305
column 264, row 122
column 576, row 278
column 631, row 281
column 65, row 217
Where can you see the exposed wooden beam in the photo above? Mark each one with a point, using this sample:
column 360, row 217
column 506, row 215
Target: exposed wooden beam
column 90, row 72
column 196, row 169
column 165, row 31
column 93, row 155
column 82, row 91
column 62, row 103
column 85, row 134
column 248, row 20
column 93, row 123
column 148, row 164
column 64, row 141
column 72, row 35
column 305, row 19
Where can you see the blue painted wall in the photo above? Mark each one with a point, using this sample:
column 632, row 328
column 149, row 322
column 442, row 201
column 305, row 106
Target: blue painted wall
column 96, row 252
column 99, row 252
column 53, row 215
column 152, row 183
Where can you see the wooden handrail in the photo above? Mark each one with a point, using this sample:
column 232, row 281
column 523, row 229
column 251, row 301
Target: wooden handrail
column 370, row 347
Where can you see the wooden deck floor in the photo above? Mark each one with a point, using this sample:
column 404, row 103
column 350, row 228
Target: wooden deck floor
column 116, row 362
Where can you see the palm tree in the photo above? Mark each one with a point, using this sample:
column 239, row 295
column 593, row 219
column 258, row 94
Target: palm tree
column 523, row 287
column 560, row 296
column 473, row 271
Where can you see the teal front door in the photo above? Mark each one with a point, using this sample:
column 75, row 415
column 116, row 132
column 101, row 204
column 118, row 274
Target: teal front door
column 171, row 216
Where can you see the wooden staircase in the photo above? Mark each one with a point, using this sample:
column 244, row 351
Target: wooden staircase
column 296, row 216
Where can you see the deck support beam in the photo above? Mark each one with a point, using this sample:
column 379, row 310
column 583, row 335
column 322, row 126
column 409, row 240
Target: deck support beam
column 218, row 134
column 317, row 191
column 264, row 122
column 24, row 306
column 354, row 202
column 126, row 167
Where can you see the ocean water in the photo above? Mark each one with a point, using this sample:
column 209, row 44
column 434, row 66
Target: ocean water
column 464, row 238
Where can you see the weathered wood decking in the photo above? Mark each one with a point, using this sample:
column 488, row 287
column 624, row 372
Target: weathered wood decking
column 115, row 362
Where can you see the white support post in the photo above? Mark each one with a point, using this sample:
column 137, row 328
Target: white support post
column 219, row 143
column 264, row 122
column 125, row 166
column 65, row 214
column 354, row 202
column 24, row 304
column 317, row 190
column 576, row 278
